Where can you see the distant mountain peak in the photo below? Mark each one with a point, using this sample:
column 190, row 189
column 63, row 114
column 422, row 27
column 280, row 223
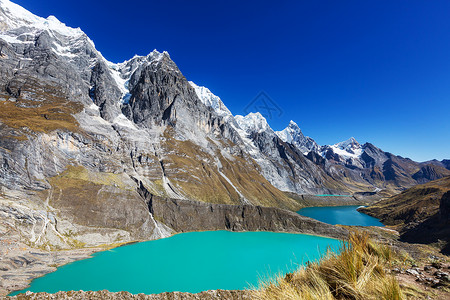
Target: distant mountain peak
column 294, row 135
column 293, row 124
column 350, row 144
column 211, row 100
column 13, row 16
column 348, row 149
column 291, row 133
column 253, row 122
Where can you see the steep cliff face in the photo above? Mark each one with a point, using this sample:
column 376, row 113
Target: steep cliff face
column 292, row 134
column 186, row 215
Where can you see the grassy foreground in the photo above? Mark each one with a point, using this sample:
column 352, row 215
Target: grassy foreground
column 358, row 271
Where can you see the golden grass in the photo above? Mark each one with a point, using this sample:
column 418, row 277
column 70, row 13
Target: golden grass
column 194, row 172
column 414, row 204
column 92, row 198
column 74, row 174
column 357, row 272
column 39, row 108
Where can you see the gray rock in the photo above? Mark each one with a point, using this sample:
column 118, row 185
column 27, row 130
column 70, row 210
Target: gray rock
column 185, row 215
column 412, row 272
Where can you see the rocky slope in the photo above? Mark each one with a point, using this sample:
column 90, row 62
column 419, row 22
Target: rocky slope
column 421, row 213
column 82, row 295
column 186, row 215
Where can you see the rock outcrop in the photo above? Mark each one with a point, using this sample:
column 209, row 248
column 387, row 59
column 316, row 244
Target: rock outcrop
column 186, row 215
column 419, row 213
column 82, row 295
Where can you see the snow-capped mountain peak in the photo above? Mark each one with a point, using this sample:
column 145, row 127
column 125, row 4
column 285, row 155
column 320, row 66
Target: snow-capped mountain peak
column 211, row 100
column 21, row 27
column 253, row 122
column 293, row 134
column 13, row 16
column 349, row 149
column 350, row 144
column 121, row 72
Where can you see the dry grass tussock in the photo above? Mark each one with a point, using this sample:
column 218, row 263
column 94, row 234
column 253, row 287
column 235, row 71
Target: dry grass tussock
column 357, row 271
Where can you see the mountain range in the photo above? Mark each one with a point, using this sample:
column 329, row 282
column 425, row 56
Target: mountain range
column 85, row 143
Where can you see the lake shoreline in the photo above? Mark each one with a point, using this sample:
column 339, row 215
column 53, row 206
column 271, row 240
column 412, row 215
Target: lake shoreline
column 178, row 215
column 48, row 260
column 18, row 282
column 307, row 200
column 105, row 294
column 196, row 261
column 380, row 234
column 420, row 255
column 348, row 215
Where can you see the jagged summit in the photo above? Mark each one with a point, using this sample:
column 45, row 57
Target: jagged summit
column 211, row 100
column 13, row 16
column 253, row 122
column 349, row 150
column 350, row 144
column 293, row 134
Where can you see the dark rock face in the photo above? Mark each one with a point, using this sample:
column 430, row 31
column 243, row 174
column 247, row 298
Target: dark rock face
column 104, row 91
column 435, row 229
column 185, row 215
column 357, row 199
column 155, row 88
column 425, row 174
column 369, row 161
column 315, row 158
column 421, row 213
column 330, row 155
column 161, row 95
column 446, row 163
column 389, row 170
column 444, row 209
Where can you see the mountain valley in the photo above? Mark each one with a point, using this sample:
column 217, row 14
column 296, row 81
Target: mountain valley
column 96, row 154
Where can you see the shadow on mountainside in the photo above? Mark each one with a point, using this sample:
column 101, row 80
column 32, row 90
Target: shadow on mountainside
column 435, row 229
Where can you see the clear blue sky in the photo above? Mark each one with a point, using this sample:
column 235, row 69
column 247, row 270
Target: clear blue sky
column 375, row 70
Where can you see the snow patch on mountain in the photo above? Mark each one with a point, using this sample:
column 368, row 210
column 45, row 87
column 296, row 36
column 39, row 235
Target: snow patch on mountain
column 346, row 154
column 211, row 100
column 19, row 26
column 253, row 122
column 289, row 134
column 13, row 16
column 292, row 134
column 348, row 145
column 346, row 149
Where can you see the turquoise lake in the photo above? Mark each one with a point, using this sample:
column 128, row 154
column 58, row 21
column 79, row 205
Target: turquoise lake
column 188, row 262
column 343, row 215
